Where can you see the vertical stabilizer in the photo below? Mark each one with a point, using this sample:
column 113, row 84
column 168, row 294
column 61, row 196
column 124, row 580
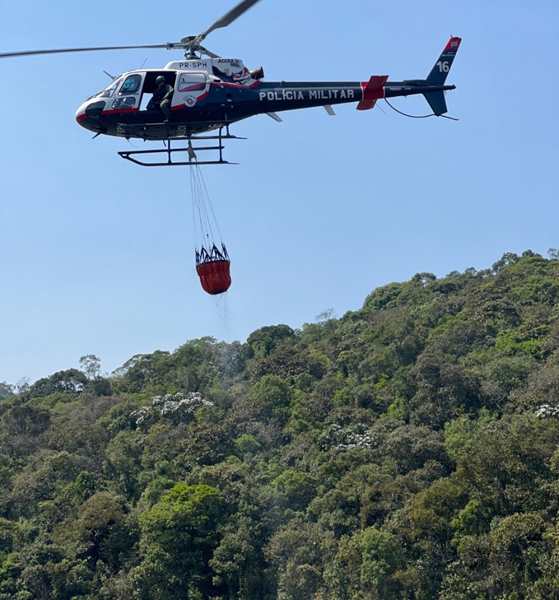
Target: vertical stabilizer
column 442, row 67
column 437, row 102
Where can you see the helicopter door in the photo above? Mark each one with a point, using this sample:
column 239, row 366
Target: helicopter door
column 129, row 93
column 190, row 89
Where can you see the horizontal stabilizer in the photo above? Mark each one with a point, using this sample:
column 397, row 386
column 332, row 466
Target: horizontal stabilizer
column 274, row 116
column 373, row 90
column 329, row 109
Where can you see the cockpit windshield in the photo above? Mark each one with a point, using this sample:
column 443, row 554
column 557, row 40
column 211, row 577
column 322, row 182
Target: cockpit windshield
column 109, row 91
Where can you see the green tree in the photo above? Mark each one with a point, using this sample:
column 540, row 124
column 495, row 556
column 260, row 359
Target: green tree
column 178, row 537
column 6, row 390
column 70, row 381
column 103, row 531
column 91, row 366
column 366, row 567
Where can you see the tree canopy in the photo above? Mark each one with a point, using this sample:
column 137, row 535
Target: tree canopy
column 407, row 450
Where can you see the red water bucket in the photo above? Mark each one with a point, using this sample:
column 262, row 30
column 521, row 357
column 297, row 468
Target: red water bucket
column 215, row 276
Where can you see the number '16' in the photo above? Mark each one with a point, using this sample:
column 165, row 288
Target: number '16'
column 443, row 65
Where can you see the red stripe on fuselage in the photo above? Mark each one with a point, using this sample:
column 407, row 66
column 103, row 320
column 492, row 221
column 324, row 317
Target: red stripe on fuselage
column 119, row 111
column 236, row 85
column 196, row 87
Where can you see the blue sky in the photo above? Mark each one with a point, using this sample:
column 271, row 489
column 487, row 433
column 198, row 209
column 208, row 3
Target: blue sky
column 96, row 254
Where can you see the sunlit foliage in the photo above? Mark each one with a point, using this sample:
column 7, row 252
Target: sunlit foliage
column 407, row 450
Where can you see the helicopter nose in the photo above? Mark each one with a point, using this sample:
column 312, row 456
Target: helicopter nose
column 80, row 115
column 89, row 113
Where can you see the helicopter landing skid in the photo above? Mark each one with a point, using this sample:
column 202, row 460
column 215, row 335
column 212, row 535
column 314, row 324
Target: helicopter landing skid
column 191, row 151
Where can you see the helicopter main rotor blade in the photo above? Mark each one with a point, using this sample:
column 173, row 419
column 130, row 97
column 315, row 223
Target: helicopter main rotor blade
column 228, row 18
column 208, row 52
column 190, row 43
column 168, row 46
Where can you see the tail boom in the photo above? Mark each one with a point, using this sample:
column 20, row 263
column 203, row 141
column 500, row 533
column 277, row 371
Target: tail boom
column 433, row 88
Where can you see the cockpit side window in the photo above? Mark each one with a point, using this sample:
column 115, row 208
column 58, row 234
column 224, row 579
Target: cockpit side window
column 191, row 82
column 131, row 85
column 110, row 89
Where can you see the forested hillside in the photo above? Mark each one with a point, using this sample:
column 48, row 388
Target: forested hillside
column 406, row 450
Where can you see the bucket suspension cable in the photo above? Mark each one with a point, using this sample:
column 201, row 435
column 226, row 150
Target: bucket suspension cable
column 208, row 232
column 212, row 257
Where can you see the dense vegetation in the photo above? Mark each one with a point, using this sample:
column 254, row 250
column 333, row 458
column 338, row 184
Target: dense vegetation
column 407, row 450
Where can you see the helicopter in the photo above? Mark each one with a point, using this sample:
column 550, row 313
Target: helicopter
column 209, row 93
